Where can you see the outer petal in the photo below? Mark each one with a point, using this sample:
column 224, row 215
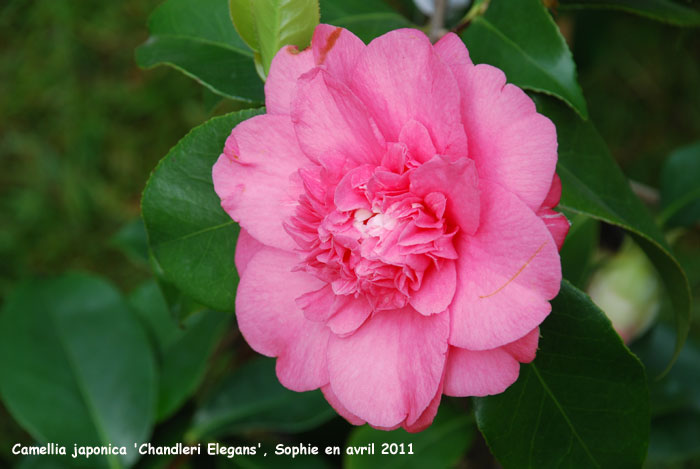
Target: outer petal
column 254, row 177
column 350, row 314
column 556, row 222
column 479, row 373
column 273, row 324
column 246, row 248
column 400, row 77
column 437, row 289
column 457, row 180
column 337, row 50
column 507, row 271
column 510, row 142
column 453, row 52
column 328, row 118
column 525, row 348
column 428, row 415
column 339, row 407
column 286, row 68
column 390, row 369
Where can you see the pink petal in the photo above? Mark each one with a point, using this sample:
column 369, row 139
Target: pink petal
column 554, row 194
column 246, row 248
column 556, row 222
column 437, row 289
column 329, row 119
column 390, row 369
column 273, row 324
column 339, row 407
column 350, row 313
column 479, row 373
column 254, row 177
column 336, row 50
column 507, row 271
column 428, row 415
column 349, row 194
column 417, row 139
column 510, row 142
column 399, row 77
column 453, row 52
column 525, row 348
column 286, row 68
column 458, row 181
column 318, row 304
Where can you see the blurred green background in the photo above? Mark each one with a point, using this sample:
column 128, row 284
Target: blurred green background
column 81, row 126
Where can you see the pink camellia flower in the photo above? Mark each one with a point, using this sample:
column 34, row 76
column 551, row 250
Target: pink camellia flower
column 397, row 237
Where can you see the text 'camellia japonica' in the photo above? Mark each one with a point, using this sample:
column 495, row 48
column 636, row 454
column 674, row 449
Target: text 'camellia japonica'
column 397, row 234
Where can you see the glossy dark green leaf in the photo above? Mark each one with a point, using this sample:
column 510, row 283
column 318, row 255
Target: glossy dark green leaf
column 76, row 366
column 666, row 11
column 183, row 349
column 132, row 240
column 191, row 237
column 272, row 461
column 253, row 399
column 680, row 187
column 675, row 426
column 439, row 446
column 180, row 305
column 332, row 10
column 283, row 22
column 368, row 27
column 578, row 249
column 521, row 39
column 583, row 402
column 367, row 20
column 44, row 462
column 594, row 185
column 678, row 389
column 197, row 38
column 674, row 438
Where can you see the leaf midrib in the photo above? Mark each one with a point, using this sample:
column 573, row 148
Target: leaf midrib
column 82, row 388
column 565, row 416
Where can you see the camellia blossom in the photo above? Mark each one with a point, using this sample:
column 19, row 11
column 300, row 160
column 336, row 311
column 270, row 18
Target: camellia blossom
column 397, row 236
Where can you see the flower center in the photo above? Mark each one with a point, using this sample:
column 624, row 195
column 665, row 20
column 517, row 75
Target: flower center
column 366, row 234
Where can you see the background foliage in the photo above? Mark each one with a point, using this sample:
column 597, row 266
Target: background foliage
column 82, row 127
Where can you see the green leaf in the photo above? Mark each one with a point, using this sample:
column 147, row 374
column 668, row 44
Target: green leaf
column 197, row 38
column 578, row 249
column 43, row 462
column 439, row 446
column 368, row 27
column 283, row 22
column 583, row 402
column 674, row 438
column 191, row 237
column 253, row 399
column 680, row 187
column 272, row 461
column 367, row 20
column 183, row 348
column 594, row 185
column 75, row 365
column 678, row 389
column 132, row 240
column 333, row 10
column 666, row 11
column 242, row 17
column 531, row 52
